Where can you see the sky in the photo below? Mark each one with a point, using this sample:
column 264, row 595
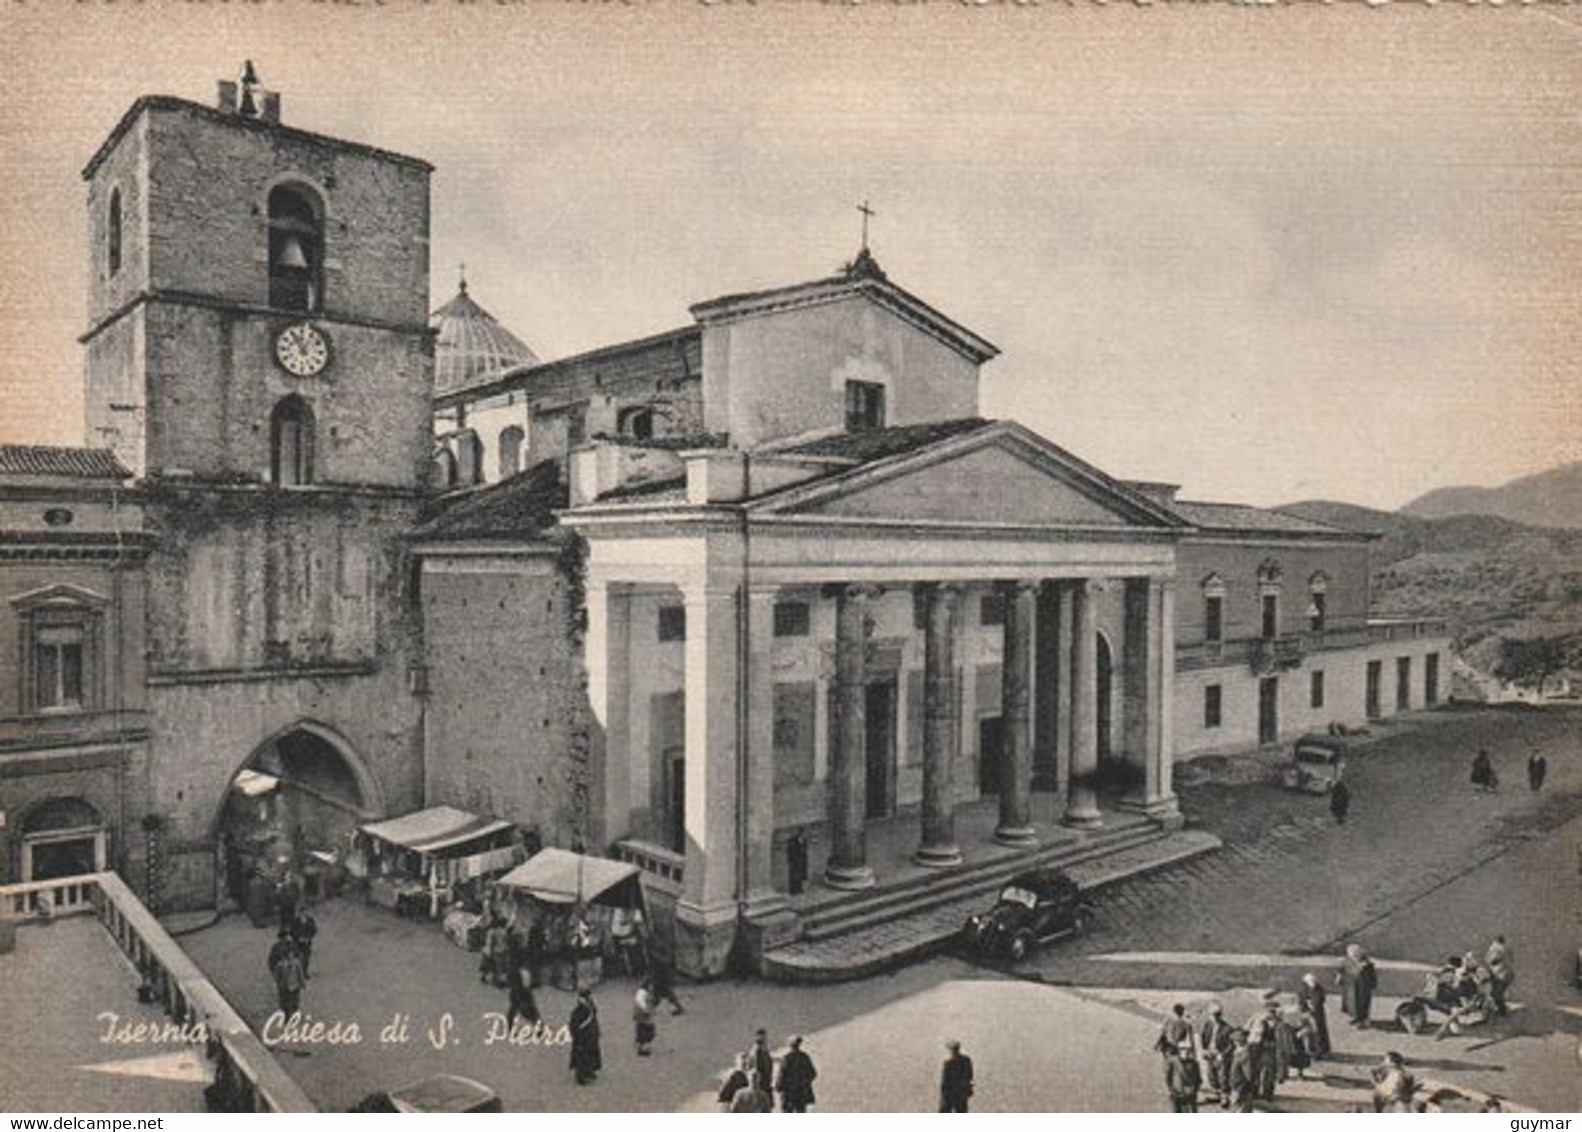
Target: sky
column 1269, row 254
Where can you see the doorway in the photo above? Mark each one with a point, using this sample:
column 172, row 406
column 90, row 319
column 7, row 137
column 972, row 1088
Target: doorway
column 675, row 816
column 879, row 748
column 991, row 747
column 1103, row 671
column 1375, row 679
column 1403, row 683
column 63, row 837
column 1268, row 710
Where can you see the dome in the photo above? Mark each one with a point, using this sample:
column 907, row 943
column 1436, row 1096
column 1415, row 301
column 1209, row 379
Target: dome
column 472, row 346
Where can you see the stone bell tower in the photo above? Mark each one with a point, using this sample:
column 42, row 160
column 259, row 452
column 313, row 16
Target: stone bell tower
column 257, row 352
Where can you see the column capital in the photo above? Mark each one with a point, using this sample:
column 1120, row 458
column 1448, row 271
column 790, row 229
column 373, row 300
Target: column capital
column 1020, row 585
column 1093, row 587
column 854, row 591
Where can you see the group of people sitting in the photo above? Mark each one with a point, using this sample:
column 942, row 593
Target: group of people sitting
column 1465, row 989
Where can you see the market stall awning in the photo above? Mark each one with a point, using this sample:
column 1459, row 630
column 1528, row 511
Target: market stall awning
column 433, row 829
column 561, row 877
column 253, row 783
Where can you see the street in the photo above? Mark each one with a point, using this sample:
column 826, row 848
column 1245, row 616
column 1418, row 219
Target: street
column 1426, row 867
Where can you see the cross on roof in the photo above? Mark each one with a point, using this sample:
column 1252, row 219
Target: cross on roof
column 866, row 213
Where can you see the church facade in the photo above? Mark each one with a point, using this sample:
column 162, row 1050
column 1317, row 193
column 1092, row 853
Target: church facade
column 766, row 578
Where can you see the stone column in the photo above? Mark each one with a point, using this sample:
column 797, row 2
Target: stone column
column 848, row 765
column 609, row 651
column 941, row 728
column 1063, row 679
column 1082, row 805
column 706, row 910
column 1016, row 689
column 1150, row 675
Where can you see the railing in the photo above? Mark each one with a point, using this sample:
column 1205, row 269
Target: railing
column 654, row 860
column 1289, row 649
column 255, row 1081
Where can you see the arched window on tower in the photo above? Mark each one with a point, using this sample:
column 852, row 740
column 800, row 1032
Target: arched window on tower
column 296, row 249
column 510, row 450
column 112, row 234
column 636, row 423
column 291, row 443
column 469, row 458
column 445, row 472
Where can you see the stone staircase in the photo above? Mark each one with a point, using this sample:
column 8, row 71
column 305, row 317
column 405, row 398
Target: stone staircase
column 853, row 935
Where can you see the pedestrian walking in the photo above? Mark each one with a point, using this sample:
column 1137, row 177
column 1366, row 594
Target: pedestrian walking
column 586, row 1057
column 1502, row 972
column 303, row 931
column 955, row 1080
column 643, row 1018
column 796, row 863
column 1218, row 1046
column 1340, row 801
column 763, row 1061
column 1261, row 1047
column 282, row 945
column 797, row 1073
column 1243, row 1074
column 1303, row 1040
column 753, row 1098
column 1483, row 776
column 735, row 1081
column 288, row 982
column 520, row 1002
column 1183, row 1078
column 662, row 976
column 1537, row 770
column 1312, row 997
column 536, row 947
column 1358, row 980
column 496, row 945
column 1175, row 1030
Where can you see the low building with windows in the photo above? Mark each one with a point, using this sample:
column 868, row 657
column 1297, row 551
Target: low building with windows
column 73, row 708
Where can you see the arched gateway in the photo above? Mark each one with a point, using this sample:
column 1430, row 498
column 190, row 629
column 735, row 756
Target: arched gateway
column 293, row 805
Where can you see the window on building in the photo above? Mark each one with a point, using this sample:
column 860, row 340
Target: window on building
column 291, row 443
column 113, row 232
column 1271, row 616
column 991, row 610
column 1214, row 618
column 296, row 249
column 864, row 406
column 793, row 618
column 672, row 623
column 510, row 450
column 576, row 427
column 1316, row 609
column 1315, row 695
column 445, row 468
column 57, row 660
column 1431, row 679
column 1211, row 705
column 636, row 423
column 60, row 635
column 469, row 458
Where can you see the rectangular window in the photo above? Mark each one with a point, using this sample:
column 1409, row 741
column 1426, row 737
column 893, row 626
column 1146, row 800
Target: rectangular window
column 1271, row 616
column 57, row 667
column 672, row 623
column 1214, row 619
column 1403, row 683
column 1316, row 690
column 1315, row 613
column 991, row 610
column 864, row 406
column 792, row 618
column 1211, row 706
column 1431, row 679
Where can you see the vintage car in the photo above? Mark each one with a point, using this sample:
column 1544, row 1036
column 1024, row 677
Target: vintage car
column 443, row 1092
column 1035, row 906
column 1317, row 763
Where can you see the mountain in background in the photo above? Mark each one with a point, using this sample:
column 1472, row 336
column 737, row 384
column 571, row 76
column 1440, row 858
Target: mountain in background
column 1548, row 499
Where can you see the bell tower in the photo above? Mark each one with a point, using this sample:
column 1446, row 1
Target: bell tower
column 258, row 353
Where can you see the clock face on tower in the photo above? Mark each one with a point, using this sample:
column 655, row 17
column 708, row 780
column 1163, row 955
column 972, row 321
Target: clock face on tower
column 302, row 350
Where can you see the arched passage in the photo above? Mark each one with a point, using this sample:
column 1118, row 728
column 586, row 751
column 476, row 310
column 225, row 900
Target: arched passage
column 292, row 807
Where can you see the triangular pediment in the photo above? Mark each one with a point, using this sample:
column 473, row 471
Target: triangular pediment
column 1001, row 476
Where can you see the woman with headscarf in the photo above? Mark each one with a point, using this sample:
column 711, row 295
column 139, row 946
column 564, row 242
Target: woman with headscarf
column 586, row 1059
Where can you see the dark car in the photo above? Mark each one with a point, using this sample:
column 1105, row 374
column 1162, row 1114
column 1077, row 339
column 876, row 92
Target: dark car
column 1035, row 906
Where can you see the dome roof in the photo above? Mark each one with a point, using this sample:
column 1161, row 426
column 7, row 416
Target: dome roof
column 472, row 346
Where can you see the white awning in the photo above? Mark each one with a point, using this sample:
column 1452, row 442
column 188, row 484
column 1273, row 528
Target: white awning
column 439, row 827
column 559, row 877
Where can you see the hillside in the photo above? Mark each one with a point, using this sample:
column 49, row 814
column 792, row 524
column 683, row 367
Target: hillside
column 1495, row 581
column 1547, row 499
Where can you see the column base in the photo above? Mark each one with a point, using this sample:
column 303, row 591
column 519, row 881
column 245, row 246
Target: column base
column 938, row 856
column 1165, row 811
column 849, row 878
column 1016, row 836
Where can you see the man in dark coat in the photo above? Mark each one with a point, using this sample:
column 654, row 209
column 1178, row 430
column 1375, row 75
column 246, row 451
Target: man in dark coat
column 1218, row 1048
column 796, row 863
column 1340, row 801
column 282, row 946
column 796, row 1078
column 1358, row 980
column 1182, row 1077
column 1313, row 996
column 955, row 1080
column 303, row 930
column 288, row 982
column 763, row 1060
column 1537, row 770
column 586, row 1057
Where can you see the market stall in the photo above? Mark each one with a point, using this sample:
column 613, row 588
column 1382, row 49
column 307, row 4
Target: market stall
column 586, row 906
column 420, row 862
